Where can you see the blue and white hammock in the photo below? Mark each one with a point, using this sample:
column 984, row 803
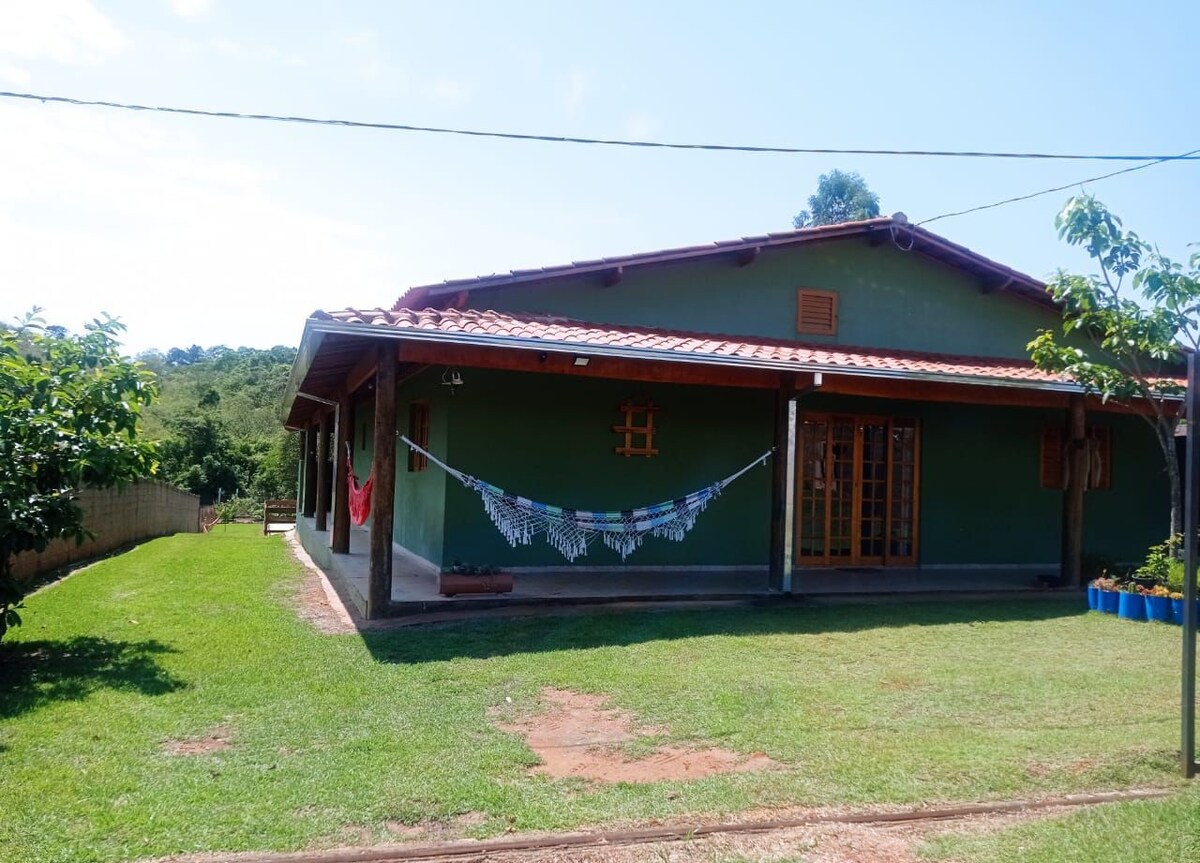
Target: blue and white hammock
column 571, row 531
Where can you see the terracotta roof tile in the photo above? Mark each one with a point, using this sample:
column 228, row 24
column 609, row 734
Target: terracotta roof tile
column 566, row 332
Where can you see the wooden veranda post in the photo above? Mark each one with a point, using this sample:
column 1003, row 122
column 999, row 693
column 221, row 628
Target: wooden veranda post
column 1077, row 470
column 779, row 569
column 321, row 510
column 341, row 495
column 309, row 506
column 379, row 587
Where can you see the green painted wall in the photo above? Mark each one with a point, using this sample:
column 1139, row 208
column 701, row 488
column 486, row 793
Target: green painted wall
column 419, row 517
column 549, row 437
column 886, row 298
column 1122, row 521
column 981, row 495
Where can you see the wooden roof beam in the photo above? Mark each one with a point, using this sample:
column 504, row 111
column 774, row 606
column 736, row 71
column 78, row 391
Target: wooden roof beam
column 613, row 277
column 746, row 257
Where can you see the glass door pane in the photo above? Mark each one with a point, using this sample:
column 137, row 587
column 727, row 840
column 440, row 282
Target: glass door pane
column 873, row 477
column 841, row 490
column 902, row 530
column 812, row 510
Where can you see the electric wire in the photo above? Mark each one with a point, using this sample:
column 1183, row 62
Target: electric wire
column 608, row 142
column 1191, row 154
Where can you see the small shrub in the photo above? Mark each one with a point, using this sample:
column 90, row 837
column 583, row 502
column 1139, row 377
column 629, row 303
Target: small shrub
column 239, row 508
column 1161, row 560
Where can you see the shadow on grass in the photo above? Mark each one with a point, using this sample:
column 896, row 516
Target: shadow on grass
column 485, row 638
column 34, row 674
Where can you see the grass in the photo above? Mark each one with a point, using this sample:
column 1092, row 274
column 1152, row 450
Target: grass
column 1149, row 831
column 334, row 738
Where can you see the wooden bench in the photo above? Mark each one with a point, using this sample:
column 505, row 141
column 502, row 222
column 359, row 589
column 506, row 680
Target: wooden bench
column 281, row 511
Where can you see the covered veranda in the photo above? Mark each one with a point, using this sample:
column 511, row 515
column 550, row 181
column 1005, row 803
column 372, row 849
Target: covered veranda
column 414, row 588
column 349, row 351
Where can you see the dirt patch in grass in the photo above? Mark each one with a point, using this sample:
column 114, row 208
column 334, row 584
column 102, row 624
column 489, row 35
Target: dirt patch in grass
column 579, row 737
column 218, row 739
column 315, row 600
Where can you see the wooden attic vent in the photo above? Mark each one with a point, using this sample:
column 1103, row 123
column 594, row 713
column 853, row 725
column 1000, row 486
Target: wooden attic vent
column 816, row 312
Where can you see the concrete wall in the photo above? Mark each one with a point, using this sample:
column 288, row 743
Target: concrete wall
column 118, row 517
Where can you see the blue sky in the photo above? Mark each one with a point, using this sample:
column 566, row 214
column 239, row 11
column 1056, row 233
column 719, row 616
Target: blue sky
column 224, row 232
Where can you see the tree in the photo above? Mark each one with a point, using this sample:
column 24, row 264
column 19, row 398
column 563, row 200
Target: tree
column 1122, row 349
column 842, row 196
column 202, row 458
column 69, row 407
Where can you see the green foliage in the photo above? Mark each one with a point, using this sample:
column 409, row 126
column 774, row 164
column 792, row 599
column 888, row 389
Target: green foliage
column 69, row 408
column 842, row 196
column 217, row 422
column 1161, row 561
column 1124, row 329
column 239, row 508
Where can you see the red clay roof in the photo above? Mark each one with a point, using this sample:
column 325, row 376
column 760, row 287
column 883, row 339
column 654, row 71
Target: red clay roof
column 557, row 331
column 892, row 229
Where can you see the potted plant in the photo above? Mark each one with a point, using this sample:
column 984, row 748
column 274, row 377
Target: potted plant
column 472, row 578
column 1107, row 596
column 1176, row 608
column 1131, row 604
column 1158, row 603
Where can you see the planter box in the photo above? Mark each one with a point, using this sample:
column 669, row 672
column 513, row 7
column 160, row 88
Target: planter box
column 1177, row 612
column 450, row 584
column 1109, row 601
column 1131, row 606
column 1158, row 608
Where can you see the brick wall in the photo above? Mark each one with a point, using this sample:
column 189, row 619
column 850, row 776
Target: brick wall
column 118, row 517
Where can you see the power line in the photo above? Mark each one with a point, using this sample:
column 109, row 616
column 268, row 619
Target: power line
column 608, row 142
column 1191, row 154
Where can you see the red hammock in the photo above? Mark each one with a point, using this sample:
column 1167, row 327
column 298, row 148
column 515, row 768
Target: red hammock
column 359, row 496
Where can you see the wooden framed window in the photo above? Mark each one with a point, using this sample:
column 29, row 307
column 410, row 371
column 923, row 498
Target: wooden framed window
column 816, row 312
column 418, row 433
column 638, row 429
column 1055, row 467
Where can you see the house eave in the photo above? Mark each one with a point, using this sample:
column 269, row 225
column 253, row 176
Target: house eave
column 318, row 327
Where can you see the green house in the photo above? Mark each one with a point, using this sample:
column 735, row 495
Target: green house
column 880, row 367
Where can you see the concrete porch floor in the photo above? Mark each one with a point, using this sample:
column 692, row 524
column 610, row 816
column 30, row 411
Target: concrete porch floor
column 414, row 581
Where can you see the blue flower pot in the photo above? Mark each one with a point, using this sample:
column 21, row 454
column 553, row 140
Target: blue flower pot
column 1109, row 601
column 1131, row 606
column 1158, row 608
column 1093, row 598
column 1177, row 612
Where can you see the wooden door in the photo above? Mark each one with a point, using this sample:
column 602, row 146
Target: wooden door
column 857, row 484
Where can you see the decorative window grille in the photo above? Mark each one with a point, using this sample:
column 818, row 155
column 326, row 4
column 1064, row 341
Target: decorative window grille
column 638, row 430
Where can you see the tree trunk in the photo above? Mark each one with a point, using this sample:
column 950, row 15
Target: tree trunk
column 1166, row 440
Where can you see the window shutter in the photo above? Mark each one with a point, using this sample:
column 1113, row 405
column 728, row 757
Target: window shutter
column 1052, row 457
column 816, row 312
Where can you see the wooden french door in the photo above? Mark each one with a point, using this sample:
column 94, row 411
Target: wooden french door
column 856, row 490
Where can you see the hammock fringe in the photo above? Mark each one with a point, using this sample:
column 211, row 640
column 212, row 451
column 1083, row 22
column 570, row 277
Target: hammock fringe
column 571, row 531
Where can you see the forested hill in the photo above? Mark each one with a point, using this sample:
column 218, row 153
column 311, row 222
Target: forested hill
column 217, row 421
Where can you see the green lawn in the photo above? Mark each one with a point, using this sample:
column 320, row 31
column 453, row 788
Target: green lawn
column 335, row 737
column 1148, row 831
